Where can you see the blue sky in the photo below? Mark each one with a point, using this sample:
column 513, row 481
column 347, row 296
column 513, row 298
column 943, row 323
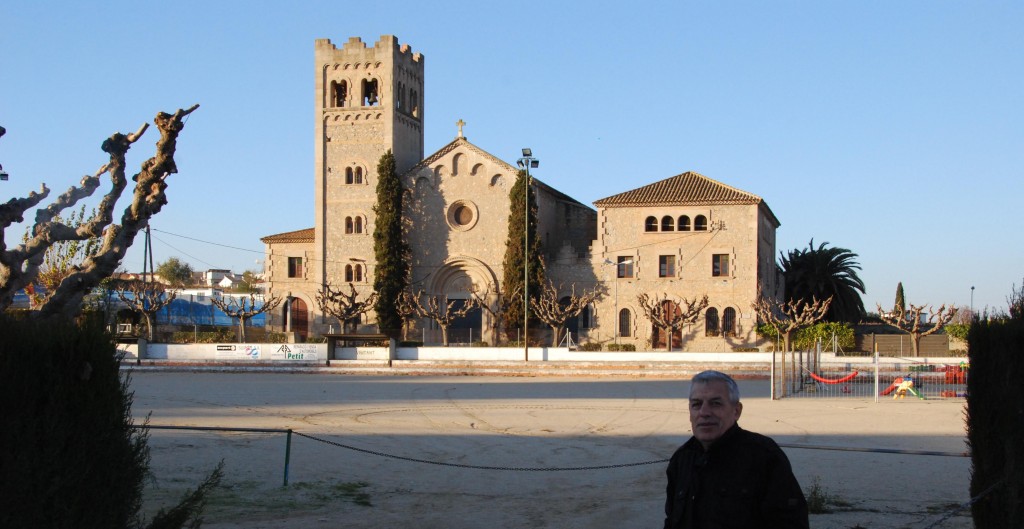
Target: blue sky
column 894, row 129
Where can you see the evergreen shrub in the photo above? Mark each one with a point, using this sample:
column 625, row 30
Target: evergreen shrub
column 69, row 457
column 995, row 422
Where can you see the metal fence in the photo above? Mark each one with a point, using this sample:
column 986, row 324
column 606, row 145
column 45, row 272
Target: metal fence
column 804, row 374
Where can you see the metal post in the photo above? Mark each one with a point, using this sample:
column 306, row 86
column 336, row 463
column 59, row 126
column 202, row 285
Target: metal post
column 287, row 455
column 526, row 268
column 876, row 372
column 526, row 162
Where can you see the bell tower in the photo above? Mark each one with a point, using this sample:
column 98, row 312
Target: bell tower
column 368, row 99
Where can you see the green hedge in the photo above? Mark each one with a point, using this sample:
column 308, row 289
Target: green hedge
column 621, row 347
column 806, row 337
column 995, row 422
column 68, row 454
column 590, row 346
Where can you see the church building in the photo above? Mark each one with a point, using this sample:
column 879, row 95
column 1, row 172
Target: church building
column 681, row 237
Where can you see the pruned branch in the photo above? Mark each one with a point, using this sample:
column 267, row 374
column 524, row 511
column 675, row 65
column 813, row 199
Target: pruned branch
column 146, row 299
column 245, row 307
column 442, row 312
column 549, row 309
column 345, row 307
column 498, row 308
column 910, row 320
column 668, row 314
column 20, row 266
column 789, row 316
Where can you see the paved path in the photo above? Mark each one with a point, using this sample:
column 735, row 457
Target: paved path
column 520, row 422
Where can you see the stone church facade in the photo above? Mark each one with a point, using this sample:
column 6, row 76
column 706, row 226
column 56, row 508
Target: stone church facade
column 705, row 237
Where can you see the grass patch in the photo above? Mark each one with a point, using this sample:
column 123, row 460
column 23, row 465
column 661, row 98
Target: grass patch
column 261, row 498
column 820, row 500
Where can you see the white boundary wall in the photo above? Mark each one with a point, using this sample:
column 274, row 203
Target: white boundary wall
column 317, row 352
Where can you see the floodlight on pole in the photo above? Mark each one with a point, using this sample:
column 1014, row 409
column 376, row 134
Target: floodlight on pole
column 526, row 163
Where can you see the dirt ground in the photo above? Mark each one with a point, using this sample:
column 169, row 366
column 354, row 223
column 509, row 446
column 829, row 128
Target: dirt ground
column 520, row 425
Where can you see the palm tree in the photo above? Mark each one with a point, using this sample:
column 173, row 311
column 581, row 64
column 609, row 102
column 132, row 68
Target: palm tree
column 822, row 272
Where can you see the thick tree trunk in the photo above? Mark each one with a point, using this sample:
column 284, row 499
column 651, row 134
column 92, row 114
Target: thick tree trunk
column 241, row 329
column 149, row 325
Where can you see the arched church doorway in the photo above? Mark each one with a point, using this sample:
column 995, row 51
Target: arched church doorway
column 455, row 283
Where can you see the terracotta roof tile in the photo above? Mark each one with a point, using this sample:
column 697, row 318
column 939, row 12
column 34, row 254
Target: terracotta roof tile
column 688, row 188
column 305, row 235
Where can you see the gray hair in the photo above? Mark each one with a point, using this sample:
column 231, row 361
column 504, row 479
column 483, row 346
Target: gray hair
column 705, row 377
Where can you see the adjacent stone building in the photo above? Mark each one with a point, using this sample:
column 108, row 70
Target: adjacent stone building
column 683, row 236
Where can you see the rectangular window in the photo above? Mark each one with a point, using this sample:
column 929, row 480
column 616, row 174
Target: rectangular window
column 294, row 267
column 666, row 266
column 625, row 267
column 720, row 265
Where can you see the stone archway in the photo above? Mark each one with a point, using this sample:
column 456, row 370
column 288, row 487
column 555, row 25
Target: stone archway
column 456, row 280
column 297, row 317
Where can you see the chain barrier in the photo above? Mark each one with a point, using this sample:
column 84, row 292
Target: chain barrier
column 966, row 505
column 477, row 467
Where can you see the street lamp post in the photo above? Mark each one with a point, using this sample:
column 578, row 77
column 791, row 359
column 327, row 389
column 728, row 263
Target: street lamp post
column 615, row 318
column 972, row 301
column 526, row 162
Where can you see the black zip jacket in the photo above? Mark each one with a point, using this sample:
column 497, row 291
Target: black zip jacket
column 743, row 481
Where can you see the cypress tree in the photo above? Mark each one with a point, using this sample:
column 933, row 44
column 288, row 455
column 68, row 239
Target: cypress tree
column 512, row 280
column 391, row 252
column 901, row 303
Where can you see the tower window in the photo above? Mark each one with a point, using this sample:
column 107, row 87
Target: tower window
column 339, row 93
column 348, row 176
column 354, row 273
column 359, row 176
column 371, row 95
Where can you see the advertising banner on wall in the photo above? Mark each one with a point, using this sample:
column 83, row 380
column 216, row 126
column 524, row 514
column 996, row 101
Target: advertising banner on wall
column 294, row 351
column 237, row 351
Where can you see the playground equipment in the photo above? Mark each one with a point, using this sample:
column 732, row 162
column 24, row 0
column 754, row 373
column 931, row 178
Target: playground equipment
column 901, row 386
column 833, row 381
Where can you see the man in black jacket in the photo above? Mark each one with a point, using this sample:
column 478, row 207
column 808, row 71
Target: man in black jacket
column 727, row 477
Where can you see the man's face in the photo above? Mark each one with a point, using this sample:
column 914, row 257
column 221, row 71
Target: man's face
column 711, row 413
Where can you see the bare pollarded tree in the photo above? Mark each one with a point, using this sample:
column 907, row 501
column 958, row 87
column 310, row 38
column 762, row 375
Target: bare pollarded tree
column 244, row 308
column 345, row 307
column 20, row 266
column 913, row 321
column 550, row 309
column 669, row 315
column 444, row 312
column 786, row 317
column 789, row 316
column 146, row 299
column 498, row 308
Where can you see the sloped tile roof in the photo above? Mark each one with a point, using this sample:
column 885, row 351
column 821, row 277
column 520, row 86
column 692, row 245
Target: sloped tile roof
column 305, row 235
column 686, row 189
column 461, row 141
